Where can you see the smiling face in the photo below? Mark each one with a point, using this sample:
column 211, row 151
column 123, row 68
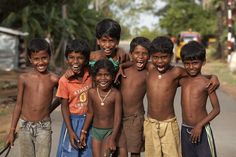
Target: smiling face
column 76, row 61
column 40, row 60
column 193, row 67
column 107, row 44
column 140, row 57
column 103, row 79
column 161, row 61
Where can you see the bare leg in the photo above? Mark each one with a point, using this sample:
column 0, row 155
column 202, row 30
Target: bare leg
column 97, row 146
column 123, row 152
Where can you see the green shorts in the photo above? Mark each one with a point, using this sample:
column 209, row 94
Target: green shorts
column 101, row 133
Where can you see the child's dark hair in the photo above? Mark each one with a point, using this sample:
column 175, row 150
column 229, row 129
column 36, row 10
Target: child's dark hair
column 104, row 63
column 38, row 44
column 193, row 51
column 78, row 46
column 108, row 27
column 162, row 44
column 142, row 41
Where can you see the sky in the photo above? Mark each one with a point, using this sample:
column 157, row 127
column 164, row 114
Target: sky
column 148, row 19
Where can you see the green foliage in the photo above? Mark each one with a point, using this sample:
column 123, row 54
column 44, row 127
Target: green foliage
column 150, row 34
column 47, row 19
column 180, row 15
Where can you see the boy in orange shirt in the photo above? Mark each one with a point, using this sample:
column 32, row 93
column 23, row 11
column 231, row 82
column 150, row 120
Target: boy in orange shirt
column 73, row 92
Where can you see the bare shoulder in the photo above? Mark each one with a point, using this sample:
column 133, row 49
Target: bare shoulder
column 203, row 78
column 24, row 76
column 178, row 69
column 180, row 72
column 150, row 66
column 54, row 77
column 92, row 91
column 115, row 91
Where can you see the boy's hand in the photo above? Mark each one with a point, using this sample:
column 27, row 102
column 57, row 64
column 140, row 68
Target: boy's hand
column 111, row 144
column 196, row 133
column 73, row 139
column 10, row 138
column 213, row 84
column 120, row 72
column 82, row 140
column 69, row 73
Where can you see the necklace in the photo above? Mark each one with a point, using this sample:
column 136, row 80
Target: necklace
column 102, row 100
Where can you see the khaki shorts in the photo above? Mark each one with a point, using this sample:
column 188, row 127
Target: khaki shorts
column 162, row 138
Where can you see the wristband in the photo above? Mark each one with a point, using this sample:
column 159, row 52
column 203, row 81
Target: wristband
column 83, row 131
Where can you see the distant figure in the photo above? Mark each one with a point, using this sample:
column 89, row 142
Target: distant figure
column 35, row 94
column 196, row 134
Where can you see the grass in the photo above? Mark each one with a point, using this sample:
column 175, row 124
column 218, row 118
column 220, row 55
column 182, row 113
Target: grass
column 220, row 68
column 8, row 85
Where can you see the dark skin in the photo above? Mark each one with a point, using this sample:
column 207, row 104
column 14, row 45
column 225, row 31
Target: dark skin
column 76, row 61
column 35, row 93
column 107, row 116
column 118, row 55
column 161, row 91
column 194, row 96
column 133, row 87
column 132, row 91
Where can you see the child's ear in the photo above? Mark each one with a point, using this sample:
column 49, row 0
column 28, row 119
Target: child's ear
column 98, row 42
column 30, row 59
column 130, row 56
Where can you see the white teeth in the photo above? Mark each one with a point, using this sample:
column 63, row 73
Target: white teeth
column 160, row 68
column 41, row 67
column 103, row 84
column 139, row 65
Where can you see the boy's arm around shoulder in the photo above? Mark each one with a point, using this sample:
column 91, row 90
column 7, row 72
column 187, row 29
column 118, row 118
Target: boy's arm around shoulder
column 122, row 55
column 88, row 120
column 57, row 101
column 214, row 82
column 121, row 72
column 17, row 109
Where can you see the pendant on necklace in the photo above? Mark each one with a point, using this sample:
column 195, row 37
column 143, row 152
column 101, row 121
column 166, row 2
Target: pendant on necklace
column 159, row 76
column 102, row 103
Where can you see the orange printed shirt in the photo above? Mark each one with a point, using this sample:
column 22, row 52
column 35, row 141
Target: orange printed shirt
column 76, row 91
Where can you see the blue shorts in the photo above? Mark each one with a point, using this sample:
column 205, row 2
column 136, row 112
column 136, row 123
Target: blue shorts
column 64, row 148
column 204, row 148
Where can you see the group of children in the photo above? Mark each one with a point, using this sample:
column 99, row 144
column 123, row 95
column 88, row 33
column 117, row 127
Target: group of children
column 103, row 119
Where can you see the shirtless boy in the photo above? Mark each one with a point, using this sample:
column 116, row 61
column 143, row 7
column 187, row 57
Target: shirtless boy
column 108, row 36
column 104, row 111
column 196, row 130
column 133, row 90
column 35, row 94
column 161, row 129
